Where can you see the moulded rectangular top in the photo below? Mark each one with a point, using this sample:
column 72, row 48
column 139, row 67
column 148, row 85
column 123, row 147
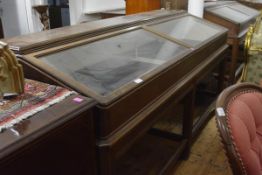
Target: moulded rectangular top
column 49, row 38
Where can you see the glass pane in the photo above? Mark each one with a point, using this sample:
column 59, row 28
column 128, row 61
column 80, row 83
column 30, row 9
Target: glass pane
column 244, row 9
column 231, row 14
column 187, row 29
column 108, row 64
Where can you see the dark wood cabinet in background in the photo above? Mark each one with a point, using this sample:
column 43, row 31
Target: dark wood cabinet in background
column 59, row 16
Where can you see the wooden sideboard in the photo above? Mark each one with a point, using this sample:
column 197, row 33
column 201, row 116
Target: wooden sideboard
column 51, row 141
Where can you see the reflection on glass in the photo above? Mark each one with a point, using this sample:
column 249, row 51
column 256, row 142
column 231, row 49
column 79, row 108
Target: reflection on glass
column 231, row 14
column 244, row 9
column 187, row 29
column 108, row 64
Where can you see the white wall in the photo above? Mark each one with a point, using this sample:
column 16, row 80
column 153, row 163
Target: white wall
column 13, row 14
column 196, row 7
column 76, row 13
column 93, row 6
column 40, row 2
column 34, row 22
column 19, row 18
column 81, row 10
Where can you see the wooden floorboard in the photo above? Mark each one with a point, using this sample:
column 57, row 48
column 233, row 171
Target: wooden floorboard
column 207, row 155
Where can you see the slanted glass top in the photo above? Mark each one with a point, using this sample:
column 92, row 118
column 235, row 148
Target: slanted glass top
column 231, row 14
column 188, row 29
column 244, row 9
column 108, row 64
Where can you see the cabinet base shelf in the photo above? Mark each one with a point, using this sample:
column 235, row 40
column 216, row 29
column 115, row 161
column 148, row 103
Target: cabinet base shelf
column 151, row 155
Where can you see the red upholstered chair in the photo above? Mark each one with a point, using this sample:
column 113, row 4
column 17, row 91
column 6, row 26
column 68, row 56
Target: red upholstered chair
column 239, row 120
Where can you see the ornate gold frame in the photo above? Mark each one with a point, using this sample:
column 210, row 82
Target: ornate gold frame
column 248, row 40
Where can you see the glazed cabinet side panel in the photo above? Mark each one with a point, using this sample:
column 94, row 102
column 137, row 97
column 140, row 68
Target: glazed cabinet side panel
column 31, row 72
column 233, row 29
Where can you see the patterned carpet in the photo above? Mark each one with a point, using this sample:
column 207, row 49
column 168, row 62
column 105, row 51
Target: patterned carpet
column 207, row 155
column 37, row 97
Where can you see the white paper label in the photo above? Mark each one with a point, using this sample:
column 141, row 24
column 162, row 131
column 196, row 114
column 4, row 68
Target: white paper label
column 220, row 112
column 138, row 80
column 15, row 132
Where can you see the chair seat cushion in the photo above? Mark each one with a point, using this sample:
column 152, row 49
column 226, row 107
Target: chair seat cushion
column 245, row 121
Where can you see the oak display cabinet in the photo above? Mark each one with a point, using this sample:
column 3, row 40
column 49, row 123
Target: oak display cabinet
column 237, row 18
column 46, row 142
column 136, row 72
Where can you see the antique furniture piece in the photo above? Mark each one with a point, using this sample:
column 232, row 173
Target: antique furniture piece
column 138, row 69
column 253, row 51
column 236, row 17
column 238, row 118
column 11, row 73
column 42, row 10
column 136, row 6
column 256, row 4
column 44, row 131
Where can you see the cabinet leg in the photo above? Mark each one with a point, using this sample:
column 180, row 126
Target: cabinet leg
column 105, row 166
column 188, row 121
column 233, row 65
column 221, row 75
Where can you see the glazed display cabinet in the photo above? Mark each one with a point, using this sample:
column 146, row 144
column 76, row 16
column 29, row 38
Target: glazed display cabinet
column 237, row 18
column 137, row 70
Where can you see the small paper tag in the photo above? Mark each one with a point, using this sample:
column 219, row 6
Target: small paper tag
column 139, row 80
column 221, row 112
column 15, row 132
column 78, row 100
